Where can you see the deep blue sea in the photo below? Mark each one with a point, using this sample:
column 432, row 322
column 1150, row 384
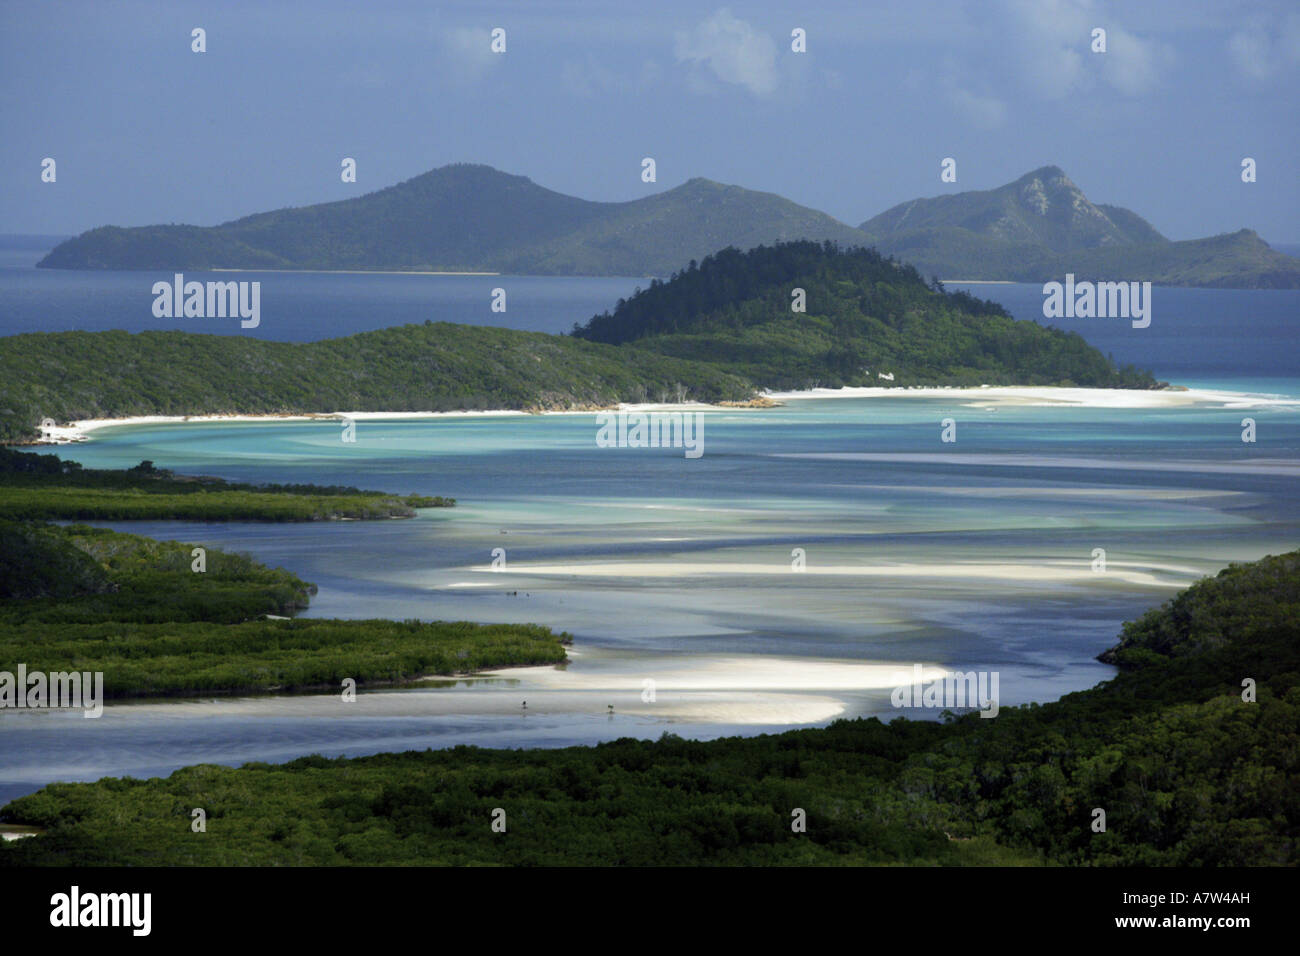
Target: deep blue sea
column 1199, row 337
column 1246, row 340
column 296, row 306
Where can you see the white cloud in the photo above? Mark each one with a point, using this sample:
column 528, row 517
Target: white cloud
column 589, row 78
column 732, row 50
column 1263, row 48
column 970, row 98
column 986, row 112
column 1134, row 65
column 1051, row 39
column 467, row 53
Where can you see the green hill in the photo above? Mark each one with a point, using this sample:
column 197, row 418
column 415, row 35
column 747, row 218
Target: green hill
column 467, row 218
column 1042, row 226
column 865, row 315
column 472, row 218
column 432, row 367
column 1042, row 208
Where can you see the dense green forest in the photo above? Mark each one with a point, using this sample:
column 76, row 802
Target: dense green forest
column 866, row 315
column 46, row 487
column 466, row 217
column 1187, row 770
column 432, row 367
column 716, row 331
column 92, row 599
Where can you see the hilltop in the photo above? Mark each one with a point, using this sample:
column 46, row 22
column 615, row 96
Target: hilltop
column 1042, row 226
column 867, row 318
column 473, row 218
column 466, row 217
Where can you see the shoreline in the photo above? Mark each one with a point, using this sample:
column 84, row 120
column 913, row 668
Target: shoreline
column 974, row 396
column 1050, row 395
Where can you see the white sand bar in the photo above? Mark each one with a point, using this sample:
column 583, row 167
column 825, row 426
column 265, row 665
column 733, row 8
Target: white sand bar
column 1038, row 572
column 1036, row 395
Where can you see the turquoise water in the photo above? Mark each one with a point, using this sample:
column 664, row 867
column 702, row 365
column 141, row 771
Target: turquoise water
column 973, row 555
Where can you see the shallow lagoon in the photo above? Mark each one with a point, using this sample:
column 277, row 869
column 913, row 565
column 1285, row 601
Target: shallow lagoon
column 975, row 555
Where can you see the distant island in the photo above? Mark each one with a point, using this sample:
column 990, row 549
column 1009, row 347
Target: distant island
column 719, row 330
column 473, row 218
column 1042, row 226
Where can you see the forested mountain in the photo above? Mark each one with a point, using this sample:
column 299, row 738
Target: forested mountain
column 1042, row 207
column 866, row 316
column 472, row 218
column 1042, row 226
column 467, row 218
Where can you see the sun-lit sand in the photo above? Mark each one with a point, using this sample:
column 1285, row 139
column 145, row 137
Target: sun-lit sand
column 984, row 396
column 707, row 689
column 1035, row 395
column 1041, row 572
column 82, row 430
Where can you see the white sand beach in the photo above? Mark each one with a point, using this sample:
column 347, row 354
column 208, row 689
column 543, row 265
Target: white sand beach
column 83, row 429
column 704, row 689
column 1042, row 395
column 984, row 396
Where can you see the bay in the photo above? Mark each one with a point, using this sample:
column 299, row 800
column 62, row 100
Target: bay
column 975, row 556
column 971, row 556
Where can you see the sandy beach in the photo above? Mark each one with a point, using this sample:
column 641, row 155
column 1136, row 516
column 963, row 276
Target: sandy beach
column 982, row 397
column 704, row 689
column 1044, row 395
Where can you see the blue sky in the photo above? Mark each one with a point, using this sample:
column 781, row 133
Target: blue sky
column 144, row 130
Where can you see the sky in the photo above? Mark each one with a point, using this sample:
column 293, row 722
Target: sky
column 145, row 130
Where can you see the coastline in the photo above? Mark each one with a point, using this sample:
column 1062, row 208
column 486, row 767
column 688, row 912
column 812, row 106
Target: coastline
column 978, row 396
column 1049, row 395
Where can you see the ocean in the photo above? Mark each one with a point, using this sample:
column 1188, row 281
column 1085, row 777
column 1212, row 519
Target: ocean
column 1216, row 338
column 784, row 578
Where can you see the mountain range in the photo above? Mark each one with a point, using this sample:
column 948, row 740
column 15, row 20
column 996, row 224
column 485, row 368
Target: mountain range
column 473, row 218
